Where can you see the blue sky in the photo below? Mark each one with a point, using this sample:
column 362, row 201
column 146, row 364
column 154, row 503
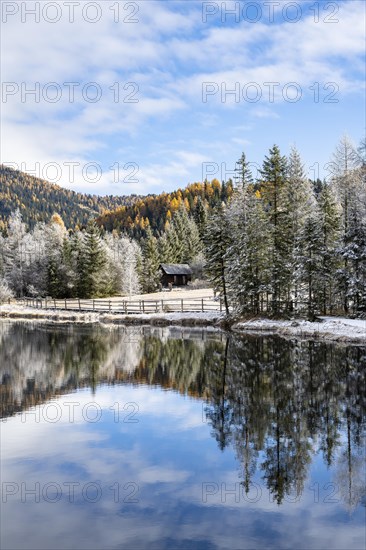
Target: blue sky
column 161, row 70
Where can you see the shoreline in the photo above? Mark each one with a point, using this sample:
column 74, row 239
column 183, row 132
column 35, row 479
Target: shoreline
column 336, row 329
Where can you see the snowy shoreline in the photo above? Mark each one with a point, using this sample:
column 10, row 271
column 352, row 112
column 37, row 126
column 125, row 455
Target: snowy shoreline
column 20, row 313
column 339, row 329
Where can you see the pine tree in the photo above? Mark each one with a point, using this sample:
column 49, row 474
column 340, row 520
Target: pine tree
column 150, row 267
column 249, row 274
column 329, row 224
column 92, row 260
column 166, row 252
column 309, row 264
column 200, row 216
column 244, row 175
column 217, row 242
column 302, row 204
column 345, row 181
column 274, row 188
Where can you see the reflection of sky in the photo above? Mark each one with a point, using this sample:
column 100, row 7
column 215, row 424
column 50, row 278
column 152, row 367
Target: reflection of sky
column 168, row 454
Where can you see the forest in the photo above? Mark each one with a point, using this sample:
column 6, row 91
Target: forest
column 37, row 200
column 278, row 244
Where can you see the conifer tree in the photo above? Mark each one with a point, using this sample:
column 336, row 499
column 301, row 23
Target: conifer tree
column 274, row 189
column 217, row 241
column 244, row 175
column 150, row 265
column 92, row 260
column 249, row 273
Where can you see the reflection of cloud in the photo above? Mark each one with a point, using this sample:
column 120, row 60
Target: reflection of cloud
column 168, row 464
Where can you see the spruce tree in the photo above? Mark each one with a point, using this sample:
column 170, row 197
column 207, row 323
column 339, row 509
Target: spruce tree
column 217, row 241
column 244, row 175
column 329, row 224
column 249, row 273
column 274, row 189
column 200, row 216
column 92, row 260
column 150, row 264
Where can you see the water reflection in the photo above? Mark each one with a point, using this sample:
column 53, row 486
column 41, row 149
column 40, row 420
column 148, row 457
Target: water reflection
column 278, row 404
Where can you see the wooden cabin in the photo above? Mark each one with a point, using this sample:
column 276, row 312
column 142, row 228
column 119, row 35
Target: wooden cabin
column 175, row 274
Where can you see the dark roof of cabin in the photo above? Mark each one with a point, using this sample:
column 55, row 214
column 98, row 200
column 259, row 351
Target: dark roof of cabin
column 176, row 269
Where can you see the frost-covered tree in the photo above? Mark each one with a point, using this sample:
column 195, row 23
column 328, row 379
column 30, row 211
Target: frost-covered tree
column 14, row 257
column 123, row 256
column 91, row 263
column 348, row 183
column 329, row 225
column 217, row 241
column 5, row 291
column 302, row 204
column 244, row 176
column 150, row 276
column 274, row 188
column 309, row 261
column 248, row 267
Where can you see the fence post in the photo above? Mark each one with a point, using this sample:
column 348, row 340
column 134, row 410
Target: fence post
column 65, row 304
column 182, row 304
column 143, row 306
column 79, row 304
column 54, row 303
column 162, row 305
column 93, row 304
column 203, row 309
column 110, row 306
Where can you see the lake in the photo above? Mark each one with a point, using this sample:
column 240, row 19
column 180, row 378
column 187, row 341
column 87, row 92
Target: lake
column 169, row 438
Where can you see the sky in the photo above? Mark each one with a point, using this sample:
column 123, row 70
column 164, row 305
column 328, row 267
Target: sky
column 143, row 97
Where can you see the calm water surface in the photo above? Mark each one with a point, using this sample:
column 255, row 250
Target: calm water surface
column 173, row 439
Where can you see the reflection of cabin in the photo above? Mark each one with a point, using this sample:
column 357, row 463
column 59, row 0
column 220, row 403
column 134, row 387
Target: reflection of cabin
column 175, row 274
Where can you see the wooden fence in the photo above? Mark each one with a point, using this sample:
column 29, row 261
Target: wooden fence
column 127, row 306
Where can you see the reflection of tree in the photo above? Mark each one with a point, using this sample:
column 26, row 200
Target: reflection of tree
column 274, row 401
column 219, row 411
column 350, row 468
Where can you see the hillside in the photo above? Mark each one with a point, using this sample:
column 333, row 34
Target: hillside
column 38, row 199
column 157, row 211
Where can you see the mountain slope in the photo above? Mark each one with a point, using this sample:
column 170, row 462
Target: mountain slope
column 38, row 199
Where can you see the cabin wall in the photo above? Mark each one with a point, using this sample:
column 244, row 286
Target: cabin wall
column 175, row 280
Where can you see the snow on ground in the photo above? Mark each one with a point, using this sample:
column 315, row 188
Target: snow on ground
column 329, row 328
column 62, row 316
